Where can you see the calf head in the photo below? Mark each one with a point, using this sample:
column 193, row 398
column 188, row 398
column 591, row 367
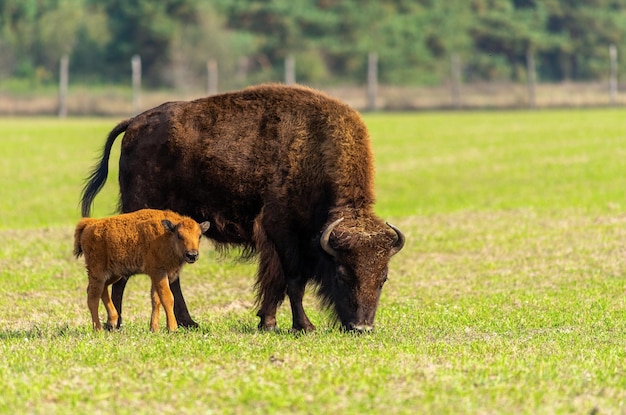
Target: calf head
column 361, row 249
column 186, row 236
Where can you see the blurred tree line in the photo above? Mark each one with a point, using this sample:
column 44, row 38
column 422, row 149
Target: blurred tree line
column 329, row 39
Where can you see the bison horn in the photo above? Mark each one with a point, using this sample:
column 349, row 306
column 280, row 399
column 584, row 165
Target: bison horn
column 399, row 242
column 326, row 236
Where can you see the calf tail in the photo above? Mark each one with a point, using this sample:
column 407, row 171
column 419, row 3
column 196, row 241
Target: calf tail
column 98, row 176
column 78, row 249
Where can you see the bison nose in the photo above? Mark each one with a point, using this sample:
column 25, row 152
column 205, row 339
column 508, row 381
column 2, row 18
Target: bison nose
column 191, row 256
column 361, row 328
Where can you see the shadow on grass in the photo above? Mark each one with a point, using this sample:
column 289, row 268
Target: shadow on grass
column 42, row 332
column 247, row 327
column 233, row 325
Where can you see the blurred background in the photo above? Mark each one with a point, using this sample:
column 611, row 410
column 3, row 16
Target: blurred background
column 118, row 57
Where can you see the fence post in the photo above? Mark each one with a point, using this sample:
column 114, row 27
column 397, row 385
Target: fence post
column 455, row 71
column 136, row 67
column 532, row 78
column 613, row 75
column 372, row 80
column 63, row 82
column 211, row 69
column 290, row 70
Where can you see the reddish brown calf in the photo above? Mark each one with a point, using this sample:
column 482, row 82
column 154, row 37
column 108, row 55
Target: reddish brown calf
column 148, row 241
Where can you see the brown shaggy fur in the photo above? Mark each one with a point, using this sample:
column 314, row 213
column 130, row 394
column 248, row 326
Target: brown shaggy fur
column 153, row 242
column 270, row 167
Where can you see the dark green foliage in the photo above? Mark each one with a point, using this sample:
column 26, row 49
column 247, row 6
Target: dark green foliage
column 330, row 39
column 145, row 28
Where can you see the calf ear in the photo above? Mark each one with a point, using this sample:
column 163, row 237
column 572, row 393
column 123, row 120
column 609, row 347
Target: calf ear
column 169, row 226
column 205, row 226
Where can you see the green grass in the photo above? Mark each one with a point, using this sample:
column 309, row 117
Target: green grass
column 509, row 296
column 502, row 160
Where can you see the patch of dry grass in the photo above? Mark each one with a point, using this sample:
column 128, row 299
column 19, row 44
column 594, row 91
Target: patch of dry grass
column 118, row 102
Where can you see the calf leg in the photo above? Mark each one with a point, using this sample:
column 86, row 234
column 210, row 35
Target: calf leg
column 164, row 294
column 112, row 315
column 156, row 309
column 180, row 306
column 94, row 293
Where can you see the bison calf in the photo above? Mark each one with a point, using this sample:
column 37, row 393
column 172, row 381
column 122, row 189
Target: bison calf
column 148, row 241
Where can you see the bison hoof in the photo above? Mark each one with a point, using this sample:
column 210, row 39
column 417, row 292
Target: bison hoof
column 268, row 327
column 303, row 329
column 359, row 328
column 109, row 327
column 188, row 324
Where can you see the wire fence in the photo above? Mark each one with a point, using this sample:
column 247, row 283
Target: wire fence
column 119, row 100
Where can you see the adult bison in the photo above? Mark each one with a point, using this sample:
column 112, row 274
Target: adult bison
column 283, row 172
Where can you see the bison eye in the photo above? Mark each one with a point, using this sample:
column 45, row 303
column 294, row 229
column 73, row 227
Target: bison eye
column 180, row 238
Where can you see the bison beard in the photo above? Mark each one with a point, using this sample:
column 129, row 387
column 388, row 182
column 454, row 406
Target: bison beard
column 284, row 172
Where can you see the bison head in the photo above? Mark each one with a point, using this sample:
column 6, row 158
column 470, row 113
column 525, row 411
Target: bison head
column 186, row 236
column 361, row 249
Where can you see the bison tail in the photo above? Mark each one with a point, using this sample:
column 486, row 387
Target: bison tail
column 98, row 176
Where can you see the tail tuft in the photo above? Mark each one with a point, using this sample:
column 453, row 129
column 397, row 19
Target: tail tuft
column 98, row 176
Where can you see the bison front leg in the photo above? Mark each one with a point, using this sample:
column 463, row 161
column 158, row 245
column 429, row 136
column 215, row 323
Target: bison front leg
column 270, row 283
column 271, row 289
column 161, row 294
column 295, row 291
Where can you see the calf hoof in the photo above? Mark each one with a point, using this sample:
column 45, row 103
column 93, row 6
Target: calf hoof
column 109, row 327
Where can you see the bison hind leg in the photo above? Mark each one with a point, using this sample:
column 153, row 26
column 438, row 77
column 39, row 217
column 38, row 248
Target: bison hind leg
column 117, row 294
column 183, row 318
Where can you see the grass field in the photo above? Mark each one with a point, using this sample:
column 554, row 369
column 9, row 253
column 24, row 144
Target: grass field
column 509, row 297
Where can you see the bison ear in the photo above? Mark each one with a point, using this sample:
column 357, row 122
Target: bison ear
column 205, row 226
column 169, row 226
